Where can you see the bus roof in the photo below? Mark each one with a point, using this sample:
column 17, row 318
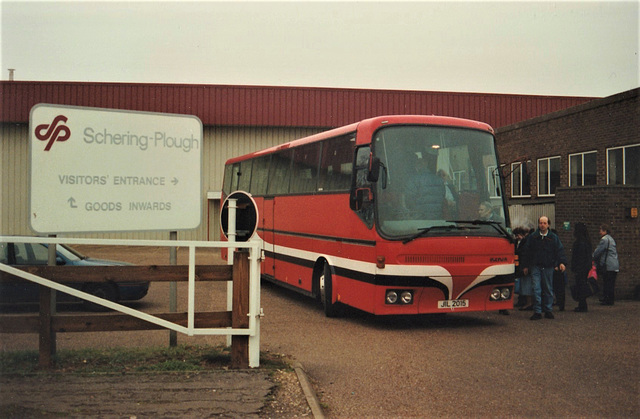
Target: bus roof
column 367, row 127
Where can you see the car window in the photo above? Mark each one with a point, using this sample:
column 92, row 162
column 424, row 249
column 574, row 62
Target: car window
column 39, row 255
column 31, row 254
column 69, row 253
column 20, row 249
column 4, row 253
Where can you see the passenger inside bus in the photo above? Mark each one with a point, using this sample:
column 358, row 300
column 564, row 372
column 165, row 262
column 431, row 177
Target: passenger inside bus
column 425, row 192
column 486, row 212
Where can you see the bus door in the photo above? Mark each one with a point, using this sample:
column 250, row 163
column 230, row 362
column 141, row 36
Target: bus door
column 279, row 174
column 269, row 263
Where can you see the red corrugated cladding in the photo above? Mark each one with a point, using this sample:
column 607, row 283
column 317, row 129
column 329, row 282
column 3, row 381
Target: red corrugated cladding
column 276, row 106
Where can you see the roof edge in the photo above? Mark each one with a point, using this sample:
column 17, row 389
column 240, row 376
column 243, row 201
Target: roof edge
column 593, row 104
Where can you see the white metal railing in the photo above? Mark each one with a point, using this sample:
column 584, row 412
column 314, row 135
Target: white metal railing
column 255, row 312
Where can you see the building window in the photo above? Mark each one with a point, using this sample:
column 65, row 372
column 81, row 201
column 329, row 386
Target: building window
column 548, row 176
column 582, row 169
column 520, row 185
column 622, row 165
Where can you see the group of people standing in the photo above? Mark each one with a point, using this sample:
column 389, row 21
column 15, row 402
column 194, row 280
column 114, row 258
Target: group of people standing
column 542, row 257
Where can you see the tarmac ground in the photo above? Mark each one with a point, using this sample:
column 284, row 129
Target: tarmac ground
column 213, row 393
column 199, row 395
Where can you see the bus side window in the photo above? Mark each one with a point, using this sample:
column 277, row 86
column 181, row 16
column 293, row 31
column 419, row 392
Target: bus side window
column 280, row 173
column 244, row 180
column 305, row 168
column 234, row 178
column 260, row 175
column 228, row 175
column 337, row 164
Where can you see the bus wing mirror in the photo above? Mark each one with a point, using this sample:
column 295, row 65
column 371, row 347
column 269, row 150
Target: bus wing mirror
column 374, row 169
column 359, row 197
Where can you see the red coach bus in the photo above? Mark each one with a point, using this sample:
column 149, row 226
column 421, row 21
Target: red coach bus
column 390, row 215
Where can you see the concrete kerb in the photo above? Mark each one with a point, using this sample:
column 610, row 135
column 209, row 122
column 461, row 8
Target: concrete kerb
column 309, row 393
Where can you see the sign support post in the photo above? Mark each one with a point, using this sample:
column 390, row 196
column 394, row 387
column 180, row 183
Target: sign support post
column 47, row 337
column 173, row 288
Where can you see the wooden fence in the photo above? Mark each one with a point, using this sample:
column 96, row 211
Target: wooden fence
column 47, row 323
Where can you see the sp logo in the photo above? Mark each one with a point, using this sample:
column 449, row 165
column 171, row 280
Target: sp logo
column 53, row 132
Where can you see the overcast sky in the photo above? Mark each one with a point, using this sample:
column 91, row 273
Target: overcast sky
column 544, row 48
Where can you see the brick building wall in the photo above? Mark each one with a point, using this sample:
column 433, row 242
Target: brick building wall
column 596, row 205
column 594, row 126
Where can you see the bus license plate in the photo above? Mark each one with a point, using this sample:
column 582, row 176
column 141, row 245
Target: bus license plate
column 453, row 304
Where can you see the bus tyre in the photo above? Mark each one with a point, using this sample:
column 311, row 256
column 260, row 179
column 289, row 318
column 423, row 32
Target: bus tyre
column 331, row 309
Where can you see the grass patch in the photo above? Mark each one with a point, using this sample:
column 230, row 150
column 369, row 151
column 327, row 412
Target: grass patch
column 123, row 360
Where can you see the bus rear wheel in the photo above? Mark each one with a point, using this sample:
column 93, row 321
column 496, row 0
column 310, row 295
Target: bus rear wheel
column 331, row 309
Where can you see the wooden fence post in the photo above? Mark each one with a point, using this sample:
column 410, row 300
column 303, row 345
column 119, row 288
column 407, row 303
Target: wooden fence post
column 48, row 308
column 240, row 311
column 47, row 337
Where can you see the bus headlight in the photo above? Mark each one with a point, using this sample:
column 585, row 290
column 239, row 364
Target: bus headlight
column 406, row 297
column 399, row 297
column 495, row 294
column 500, row 294
column 505, row 293
column 392, row 297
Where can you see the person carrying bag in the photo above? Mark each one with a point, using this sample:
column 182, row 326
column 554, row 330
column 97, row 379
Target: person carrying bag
column 606, row 259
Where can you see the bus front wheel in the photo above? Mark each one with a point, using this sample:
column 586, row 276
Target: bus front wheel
column 331, row 309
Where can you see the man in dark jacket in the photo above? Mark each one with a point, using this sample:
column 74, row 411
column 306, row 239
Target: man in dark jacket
column 544, row 254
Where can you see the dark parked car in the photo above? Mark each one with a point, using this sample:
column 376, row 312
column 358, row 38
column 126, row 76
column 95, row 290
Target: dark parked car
column 26, row 254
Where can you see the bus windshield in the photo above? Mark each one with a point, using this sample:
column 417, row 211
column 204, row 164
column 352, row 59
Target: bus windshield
column 437, row 181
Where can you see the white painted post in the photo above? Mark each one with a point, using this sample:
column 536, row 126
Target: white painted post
column 254, row 303
column 173, row 288
column 231, row 237
column 191, row 290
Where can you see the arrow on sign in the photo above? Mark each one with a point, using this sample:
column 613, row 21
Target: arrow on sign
column 174, row 181
column 72, row 202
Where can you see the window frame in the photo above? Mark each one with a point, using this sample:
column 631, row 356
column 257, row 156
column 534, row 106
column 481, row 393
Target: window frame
column 624, row 162
column 514, row 169
column 582, row 155
column 548, row 161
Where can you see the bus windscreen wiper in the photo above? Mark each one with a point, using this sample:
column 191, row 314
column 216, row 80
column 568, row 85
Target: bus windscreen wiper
column 495, row 224
column 423, row 231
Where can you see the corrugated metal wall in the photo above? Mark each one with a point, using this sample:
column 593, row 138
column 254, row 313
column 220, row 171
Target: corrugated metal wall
column 14, row 179
column 528, row 215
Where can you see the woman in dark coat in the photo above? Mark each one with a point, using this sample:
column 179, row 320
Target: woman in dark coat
column 581, row 264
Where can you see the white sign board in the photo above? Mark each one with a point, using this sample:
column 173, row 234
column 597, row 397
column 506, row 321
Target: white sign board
column 98, row 170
